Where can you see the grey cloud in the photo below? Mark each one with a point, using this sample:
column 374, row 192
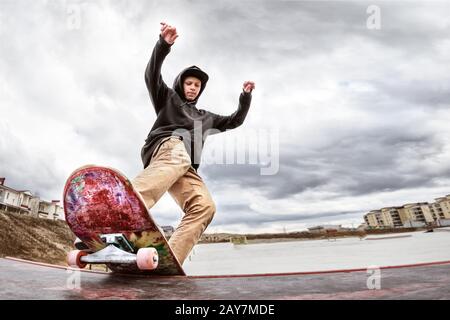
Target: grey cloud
column 354, row 163
column 234, row 214
column 299, row 29
column 416, row 92
column 27, row 169
column 287, row 182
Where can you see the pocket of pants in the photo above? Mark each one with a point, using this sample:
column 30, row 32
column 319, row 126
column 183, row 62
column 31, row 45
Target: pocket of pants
column 158, row 148
column 174, row 145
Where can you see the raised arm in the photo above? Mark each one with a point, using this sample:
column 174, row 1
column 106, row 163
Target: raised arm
column 223, row 123
column 156, row 87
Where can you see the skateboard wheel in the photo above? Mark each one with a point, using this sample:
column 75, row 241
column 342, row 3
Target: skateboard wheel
column 147, row 259
column 74, row 259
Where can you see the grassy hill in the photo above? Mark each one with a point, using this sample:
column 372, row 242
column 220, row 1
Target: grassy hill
column 34, row 239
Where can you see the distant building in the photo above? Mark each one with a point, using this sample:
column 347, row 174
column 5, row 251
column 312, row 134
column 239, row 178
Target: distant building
column 24, row 202
column 11, row 199
column 50, row 210
column 443, row 223
column 373, row 219
column 418, row 213
column 413, row 224
column 325, row 228
column 391, row 217
column 440, row 209
column 411, row 215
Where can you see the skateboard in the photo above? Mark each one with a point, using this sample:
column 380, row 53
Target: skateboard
column 113, row 225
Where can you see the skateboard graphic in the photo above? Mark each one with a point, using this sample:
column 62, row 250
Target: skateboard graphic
column 113, row 225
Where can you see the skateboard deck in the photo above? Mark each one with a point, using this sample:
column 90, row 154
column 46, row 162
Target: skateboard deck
column 110, row 218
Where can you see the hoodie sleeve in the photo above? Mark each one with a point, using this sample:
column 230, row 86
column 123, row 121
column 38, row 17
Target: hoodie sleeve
column 223, row 123
column 157, row 89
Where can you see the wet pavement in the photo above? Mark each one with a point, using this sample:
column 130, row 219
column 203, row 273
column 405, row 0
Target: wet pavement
column 22, row 280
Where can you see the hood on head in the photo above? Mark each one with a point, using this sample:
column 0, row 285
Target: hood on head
column 192, row 71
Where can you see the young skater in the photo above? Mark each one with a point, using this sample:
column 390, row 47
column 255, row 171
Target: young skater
column 172, row 151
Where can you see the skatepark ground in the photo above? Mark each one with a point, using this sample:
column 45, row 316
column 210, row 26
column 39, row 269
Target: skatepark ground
column 21, row 279
column 411, row 266
column 313, row 255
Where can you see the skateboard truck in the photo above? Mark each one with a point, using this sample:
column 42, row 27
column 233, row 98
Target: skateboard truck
column 118, row 240
column 118, row 250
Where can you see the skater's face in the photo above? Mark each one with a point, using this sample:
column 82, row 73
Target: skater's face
column 191, row 87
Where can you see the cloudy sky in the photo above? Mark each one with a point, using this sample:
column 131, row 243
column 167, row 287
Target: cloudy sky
column 351, row 112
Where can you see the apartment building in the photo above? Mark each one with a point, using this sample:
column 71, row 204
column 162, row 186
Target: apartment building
column 10, row 198
column 416, row 212
column 50, row 210
column 441, row 207
column 408, row 215
column 24, row 202
column 383, row 218
column 411, row 215
column 391, row 217
column 373, row 219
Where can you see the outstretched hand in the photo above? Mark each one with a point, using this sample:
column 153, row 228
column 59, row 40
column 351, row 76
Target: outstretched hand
column 248, row 86
column 168, row 33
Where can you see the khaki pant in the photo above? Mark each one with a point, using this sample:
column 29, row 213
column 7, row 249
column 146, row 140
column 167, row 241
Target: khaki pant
column 170, row 170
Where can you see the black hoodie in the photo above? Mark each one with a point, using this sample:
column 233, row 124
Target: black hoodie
column 179, row 117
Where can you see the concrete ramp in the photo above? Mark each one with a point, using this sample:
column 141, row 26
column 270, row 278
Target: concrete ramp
column 20, row 279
